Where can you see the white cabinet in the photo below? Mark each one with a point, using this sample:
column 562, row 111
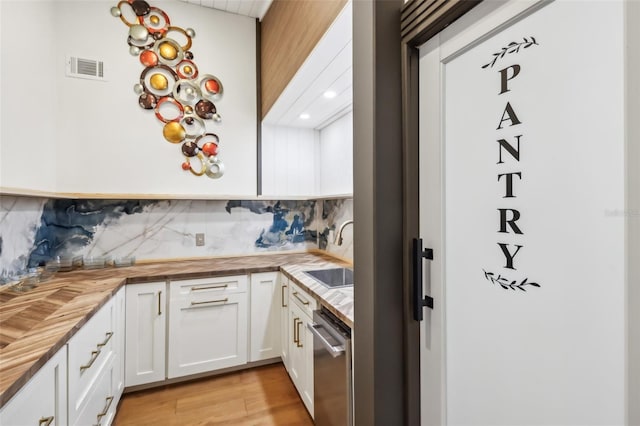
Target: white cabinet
column 93, row 353
column 102, row 399
column 266, row 304
column 43, row 400
column 119, row 342
column 146, row 333
column 207, row 325
column 284, row 320
column 83, row 382
column 301, row 306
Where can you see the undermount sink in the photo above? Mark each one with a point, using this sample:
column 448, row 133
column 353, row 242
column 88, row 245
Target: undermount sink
column 332, row 278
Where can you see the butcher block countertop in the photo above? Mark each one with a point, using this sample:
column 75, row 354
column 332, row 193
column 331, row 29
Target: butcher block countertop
column 35, row 324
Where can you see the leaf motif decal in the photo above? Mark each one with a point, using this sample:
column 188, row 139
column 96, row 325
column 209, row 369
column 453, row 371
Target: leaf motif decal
column 512, row 47
column 506, row 284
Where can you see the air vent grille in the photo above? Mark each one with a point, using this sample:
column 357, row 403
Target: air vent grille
column 85, row 68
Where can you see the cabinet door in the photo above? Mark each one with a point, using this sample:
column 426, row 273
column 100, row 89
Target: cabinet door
column 266, row 304
column 296, row 360
column 207, row 333
column 145, row 333
column 43, row 400
column 118, row 368
column 301, row 354
column 307, row 354
column 284, row 320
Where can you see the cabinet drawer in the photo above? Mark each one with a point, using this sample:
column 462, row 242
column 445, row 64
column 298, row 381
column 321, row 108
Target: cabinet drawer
column 300, row 297
column 43, row 399
column 101, row 400
column 89, row 351
column 203, row 288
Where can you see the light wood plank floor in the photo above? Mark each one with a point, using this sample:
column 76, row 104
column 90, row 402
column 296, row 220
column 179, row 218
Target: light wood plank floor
column 259, row 396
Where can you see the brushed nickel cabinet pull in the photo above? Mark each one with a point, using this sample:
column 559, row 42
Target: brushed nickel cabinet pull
column 159, row 307
column 225, row 300
column 295, row 335
column 45, row 421
column 298, row 328
column 284, row 305
column 94, row 356
column 303, row 301
column 109, row 400
column 108, row 334
column 209, row 287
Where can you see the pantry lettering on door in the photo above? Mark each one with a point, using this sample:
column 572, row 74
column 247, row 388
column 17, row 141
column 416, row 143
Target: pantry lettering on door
column 509, row 138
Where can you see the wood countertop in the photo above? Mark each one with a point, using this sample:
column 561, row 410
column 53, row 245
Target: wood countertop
column 35, row 324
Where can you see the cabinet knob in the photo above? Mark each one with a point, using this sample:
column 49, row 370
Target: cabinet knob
column 284, row 305
column 109, row 400
column 94, row 356
column 303, row 301
column 298, row 329
column 295, row 330
column 46, row 421
column 108, row 334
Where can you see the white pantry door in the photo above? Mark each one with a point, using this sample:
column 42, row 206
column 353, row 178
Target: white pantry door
column 522, row 140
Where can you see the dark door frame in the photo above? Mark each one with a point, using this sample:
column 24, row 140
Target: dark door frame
column 385, row 130
column 421, row 20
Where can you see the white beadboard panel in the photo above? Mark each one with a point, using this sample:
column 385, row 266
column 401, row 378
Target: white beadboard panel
column 336, row 156
column 288, row 161
column 252, row 8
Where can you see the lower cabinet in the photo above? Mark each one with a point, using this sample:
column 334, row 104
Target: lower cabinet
column 83, row 382
column 301, row 307
column 207, row 324
column 102, row 399
column 42, row 401
column 284, row 320
column 204, row 325
column 266, row 304
column 95, row 366
column 146, row 330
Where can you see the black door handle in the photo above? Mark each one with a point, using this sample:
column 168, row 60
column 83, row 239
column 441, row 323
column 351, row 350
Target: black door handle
column 419, row 301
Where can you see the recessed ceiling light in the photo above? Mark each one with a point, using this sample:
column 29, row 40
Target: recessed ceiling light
column 330, row 94
column 304, row 116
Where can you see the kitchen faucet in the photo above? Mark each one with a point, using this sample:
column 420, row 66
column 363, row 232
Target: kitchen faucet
column 338, row 239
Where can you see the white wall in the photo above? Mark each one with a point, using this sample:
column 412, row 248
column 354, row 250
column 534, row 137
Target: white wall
column 27, row 95
column 289, row 161
column 105, row 142
column 336, row 157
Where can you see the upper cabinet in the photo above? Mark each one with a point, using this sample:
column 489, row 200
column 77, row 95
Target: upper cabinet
column 307, row 133
column 88, row 136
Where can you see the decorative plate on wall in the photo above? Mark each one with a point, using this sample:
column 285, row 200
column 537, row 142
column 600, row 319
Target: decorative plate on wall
column 172, row 86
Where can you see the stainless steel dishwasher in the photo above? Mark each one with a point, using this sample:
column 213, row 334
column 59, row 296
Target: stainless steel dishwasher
column 333, row 395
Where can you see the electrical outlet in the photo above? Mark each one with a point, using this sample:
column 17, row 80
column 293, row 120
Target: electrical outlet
column 199, row 240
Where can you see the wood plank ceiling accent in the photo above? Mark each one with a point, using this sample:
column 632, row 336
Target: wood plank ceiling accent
column 290, row 31
column 422, row 19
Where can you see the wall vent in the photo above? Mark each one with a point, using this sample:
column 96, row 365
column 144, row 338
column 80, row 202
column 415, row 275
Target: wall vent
column 85, row 68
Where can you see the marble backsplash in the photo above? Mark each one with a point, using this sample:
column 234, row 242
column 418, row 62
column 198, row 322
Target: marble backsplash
column 34, row 230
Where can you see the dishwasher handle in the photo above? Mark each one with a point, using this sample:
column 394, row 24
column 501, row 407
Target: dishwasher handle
column 334, row 351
